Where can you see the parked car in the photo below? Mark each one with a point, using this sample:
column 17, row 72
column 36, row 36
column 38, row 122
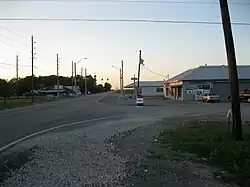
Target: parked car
column 210, row 97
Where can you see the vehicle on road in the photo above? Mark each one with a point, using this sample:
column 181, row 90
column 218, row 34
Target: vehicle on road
column 210, row 97
column 244, row 96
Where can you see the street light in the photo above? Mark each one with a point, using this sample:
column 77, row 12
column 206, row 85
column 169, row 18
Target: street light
column 81, row 60
column 120, row 78
column 75, row 67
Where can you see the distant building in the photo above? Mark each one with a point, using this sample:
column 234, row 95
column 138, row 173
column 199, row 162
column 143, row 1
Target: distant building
column 149, row 88
column 191, row 84
column 63, row 91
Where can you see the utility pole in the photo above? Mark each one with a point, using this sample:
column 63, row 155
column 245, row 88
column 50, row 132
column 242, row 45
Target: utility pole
column 86, row 86
column 134, row 79
column 17, row 76
column 139, row 71
column 75, row 74
column 72, row 72
column 122, row 80
column 57, row 75
column 232, row 69
column 32, row 68
column 81, row 72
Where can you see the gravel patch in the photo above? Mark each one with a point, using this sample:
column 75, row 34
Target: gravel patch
column 80, row 157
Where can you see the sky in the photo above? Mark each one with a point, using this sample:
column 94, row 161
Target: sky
column 167, row 49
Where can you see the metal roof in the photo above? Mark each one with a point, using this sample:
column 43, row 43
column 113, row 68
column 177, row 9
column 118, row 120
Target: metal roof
column 146, row 84
column 211, row 73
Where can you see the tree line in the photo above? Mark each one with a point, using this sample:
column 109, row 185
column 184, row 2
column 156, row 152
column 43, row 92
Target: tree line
column 23, row 85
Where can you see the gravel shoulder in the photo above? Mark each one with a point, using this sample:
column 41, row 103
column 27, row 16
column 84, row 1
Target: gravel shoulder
column 79, row 157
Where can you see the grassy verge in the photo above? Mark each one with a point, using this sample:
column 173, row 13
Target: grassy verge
column 21, row 102
column 211, row 141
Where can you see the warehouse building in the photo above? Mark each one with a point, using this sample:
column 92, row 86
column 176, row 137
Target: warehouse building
column 149, row 88
column 193, row 83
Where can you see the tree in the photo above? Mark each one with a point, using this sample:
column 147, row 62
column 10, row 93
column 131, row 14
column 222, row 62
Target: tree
column 42, row 82
column 5, row 89
column 107, row 86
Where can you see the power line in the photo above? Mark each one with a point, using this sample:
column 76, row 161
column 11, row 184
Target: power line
column 2, row 67
column 149, row 2
column 11, row 39
column 13, row 32
column 155, row 72
column 8, row 44
column 161, row 2
column 41, row 69
column 123, row 20
column 7, row 64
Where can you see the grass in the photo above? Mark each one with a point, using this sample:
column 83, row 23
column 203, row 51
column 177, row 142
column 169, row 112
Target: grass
column 21, row 102
column 211, row 141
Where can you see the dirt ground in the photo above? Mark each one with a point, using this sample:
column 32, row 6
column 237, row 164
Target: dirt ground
column 146, row 170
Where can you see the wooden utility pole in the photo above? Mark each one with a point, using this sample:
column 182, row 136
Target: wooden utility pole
column 17, row 76
column 122, row 80
column 81, row 72
column 57, row 75
column 139, row 71
column 32, row 68
column 232, row 69
column 134, row 79
column 75, row 74
column 85, row 83
column 72, row 75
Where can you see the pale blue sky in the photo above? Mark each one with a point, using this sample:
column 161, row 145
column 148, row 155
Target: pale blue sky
column 167, row 48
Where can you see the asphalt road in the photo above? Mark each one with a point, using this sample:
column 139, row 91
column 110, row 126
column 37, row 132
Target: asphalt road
column 17, row 123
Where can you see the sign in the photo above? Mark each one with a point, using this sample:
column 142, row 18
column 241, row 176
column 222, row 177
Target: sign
column 139, row 100
column 134, row 78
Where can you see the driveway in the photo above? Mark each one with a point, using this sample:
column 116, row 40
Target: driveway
column 82, row 151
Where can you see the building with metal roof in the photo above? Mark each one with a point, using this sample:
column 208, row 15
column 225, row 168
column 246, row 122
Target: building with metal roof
column 191, row 84
column 149, row 88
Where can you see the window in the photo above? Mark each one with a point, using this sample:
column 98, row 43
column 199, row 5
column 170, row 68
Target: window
column 159, row 89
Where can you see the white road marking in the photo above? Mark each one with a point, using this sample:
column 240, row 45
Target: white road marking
column 50, row 129
column 98, row 100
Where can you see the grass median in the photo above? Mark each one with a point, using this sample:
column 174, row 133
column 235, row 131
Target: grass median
column 211, row 142
column 21, row 102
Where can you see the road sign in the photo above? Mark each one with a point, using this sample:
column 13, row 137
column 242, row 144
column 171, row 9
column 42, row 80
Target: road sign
column 139, row 100
column 134, row 78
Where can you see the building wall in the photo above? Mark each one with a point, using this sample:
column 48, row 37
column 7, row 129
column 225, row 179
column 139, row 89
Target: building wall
column 223, row 88
column 151, row 91
column 189, row 89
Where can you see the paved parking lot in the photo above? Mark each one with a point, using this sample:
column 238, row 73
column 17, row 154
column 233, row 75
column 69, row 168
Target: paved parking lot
column 160, row 106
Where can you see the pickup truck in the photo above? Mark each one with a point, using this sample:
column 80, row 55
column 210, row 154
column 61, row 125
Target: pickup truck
column 244, row 96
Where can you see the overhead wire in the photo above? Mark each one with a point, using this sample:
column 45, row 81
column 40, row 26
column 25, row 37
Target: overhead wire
column 13, row 40
column 148, row 1
column 6, row 43
column 124, row 20
column 7, row 64
column 13, row 32
column 42, row 69
column 154, row 72
column 2, row 67
column 161, row 2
